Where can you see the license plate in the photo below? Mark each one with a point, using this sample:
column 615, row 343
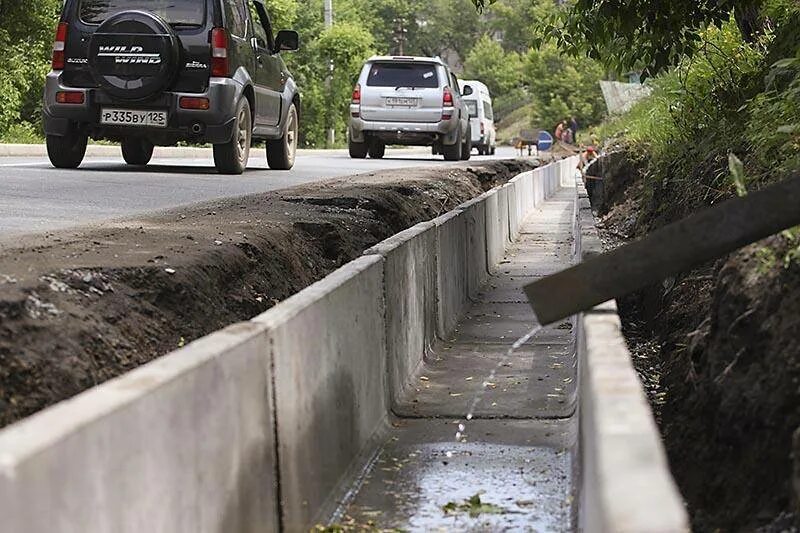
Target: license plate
column 133, row 117
column 404, row 102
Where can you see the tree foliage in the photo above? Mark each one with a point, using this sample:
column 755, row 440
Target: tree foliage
column 653, row 34
column 494, row 47
column 26, row 33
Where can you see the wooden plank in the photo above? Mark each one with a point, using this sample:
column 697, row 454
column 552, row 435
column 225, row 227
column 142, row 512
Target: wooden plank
column 697, row 239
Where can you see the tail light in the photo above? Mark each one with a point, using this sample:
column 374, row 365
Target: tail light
column 59, row 46
column 70, row 97
column 220, row 67
column 356, row 100
column 447, row 100
column 447, row 104
column 483, row 128
column 189, row 102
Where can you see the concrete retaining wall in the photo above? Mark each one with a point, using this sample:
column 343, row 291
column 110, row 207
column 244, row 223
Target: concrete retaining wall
column 452, row 273
column 263, row 425
column 627, row 486
column 185, row 443
column 409, row 283
column 478, row 263
column 328, row 350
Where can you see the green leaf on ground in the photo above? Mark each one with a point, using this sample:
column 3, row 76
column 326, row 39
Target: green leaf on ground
column 473, row 506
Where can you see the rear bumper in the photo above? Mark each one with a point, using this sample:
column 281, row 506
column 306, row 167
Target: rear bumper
column 409, row 133
column 216, row 124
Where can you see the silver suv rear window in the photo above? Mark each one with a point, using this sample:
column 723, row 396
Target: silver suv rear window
column 416, row 75
column 184, row 12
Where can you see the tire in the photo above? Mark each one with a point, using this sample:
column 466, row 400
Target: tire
column 231, row 157
column 281, row 153
column 357, row 150
column 492, row 150
column 377, row 150
column 466, row 150
column 137, row 151
column 66, row 152
column 481, row 150
column 452, row 152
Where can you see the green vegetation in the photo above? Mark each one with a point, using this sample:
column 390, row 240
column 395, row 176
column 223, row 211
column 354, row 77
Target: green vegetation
column 496, row 46
column 474, row 507
column 724, row 121
column 26, row 33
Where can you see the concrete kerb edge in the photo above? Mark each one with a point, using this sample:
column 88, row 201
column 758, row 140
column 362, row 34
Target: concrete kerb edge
column 301, row 329
column 627, row 485
column 141, row 397
column 398, row 377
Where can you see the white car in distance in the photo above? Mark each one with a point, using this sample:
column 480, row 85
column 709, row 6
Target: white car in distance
column 481, row 114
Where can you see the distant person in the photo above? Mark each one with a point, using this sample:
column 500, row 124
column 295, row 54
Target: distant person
column 560, row 131
column 566, row 136
column 573, row 126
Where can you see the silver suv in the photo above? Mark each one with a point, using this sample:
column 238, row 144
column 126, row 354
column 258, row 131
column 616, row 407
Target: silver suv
column 412, row 101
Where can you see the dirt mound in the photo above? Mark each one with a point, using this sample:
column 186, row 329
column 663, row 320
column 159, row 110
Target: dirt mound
column 80, row 307
column 717, row 349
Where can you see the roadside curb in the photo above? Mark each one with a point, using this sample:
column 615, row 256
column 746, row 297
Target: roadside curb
column 161, row 152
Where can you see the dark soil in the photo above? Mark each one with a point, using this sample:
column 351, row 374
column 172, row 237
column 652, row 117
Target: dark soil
column 81, row 307
column 719, row 353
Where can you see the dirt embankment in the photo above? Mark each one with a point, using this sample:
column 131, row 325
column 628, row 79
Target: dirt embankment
column 719, row 352
column 78, row 308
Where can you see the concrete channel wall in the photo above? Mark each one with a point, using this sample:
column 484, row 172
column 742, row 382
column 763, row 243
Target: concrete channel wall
column 626, row 483
column 264, row 425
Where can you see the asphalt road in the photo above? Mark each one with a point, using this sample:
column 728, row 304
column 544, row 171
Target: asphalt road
column 34, row 197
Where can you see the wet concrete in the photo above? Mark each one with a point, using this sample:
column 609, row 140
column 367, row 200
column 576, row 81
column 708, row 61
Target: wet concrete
column 521, row 468
column 518, row 451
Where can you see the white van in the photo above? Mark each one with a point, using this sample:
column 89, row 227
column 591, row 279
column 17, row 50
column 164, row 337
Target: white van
column 481, row 114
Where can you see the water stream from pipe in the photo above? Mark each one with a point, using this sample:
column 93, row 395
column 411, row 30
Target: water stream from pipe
column 519, row 343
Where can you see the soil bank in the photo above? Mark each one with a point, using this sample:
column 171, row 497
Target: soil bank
column 80, row 307
column 719, row 354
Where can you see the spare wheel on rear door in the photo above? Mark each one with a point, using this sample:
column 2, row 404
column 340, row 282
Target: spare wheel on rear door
column 134, row 54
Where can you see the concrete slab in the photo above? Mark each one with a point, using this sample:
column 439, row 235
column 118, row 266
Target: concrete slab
column 185, row 443
column 328, row 350
column 410, row 285
column 537, row 382
column 524, row 469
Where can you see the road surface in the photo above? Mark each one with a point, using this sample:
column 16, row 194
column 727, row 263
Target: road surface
column 36, row 197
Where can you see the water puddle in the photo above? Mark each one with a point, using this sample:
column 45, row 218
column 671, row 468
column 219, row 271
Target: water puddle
column 519, row 343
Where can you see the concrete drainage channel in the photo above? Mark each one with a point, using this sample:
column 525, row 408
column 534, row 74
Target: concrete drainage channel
column 274, row 424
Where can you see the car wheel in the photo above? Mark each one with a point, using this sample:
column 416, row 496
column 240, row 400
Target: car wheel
column 466, row 150
column 137, row 151
column 357, row 150
column 66, row 152
column 493, row 150
column 452, row 152
column 231, row 157
column 281, row 153
column 377, row 150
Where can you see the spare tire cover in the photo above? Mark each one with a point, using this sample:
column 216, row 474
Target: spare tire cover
column 134, row 54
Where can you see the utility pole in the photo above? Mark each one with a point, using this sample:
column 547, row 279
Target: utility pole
column 328, row 15
column 400, row 33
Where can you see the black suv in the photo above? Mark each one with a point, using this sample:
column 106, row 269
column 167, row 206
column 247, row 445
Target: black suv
column 156, row 72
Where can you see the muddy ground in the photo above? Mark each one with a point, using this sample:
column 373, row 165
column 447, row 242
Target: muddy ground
column 80, row 307
column 719, row 353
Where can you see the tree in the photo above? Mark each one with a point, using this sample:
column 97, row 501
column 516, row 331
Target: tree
column 562, row 86
column 26, row 37
column 489, row 63
column 653, row 33
column 347, row 45
column 282, row 13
